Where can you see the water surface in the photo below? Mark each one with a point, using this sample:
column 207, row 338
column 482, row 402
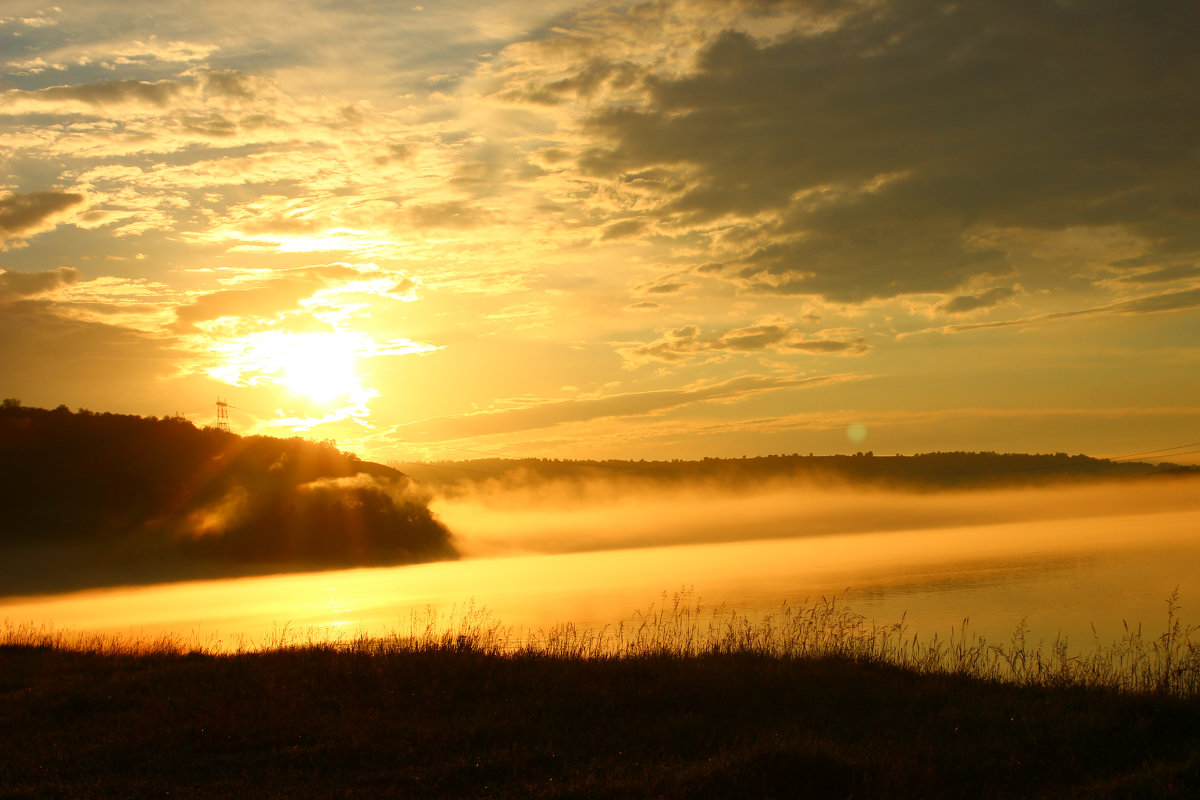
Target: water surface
column 1066, row 561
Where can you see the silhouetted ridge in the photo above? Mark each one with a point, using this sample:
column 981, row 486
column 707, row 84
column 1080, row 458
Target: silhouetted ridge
column 922, row 472
column 101, row 499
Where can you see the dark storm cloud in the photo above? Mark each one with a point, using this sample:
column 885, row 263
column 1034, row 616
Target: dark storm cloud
column 25, row 214
column 870, row 155
column 971, row 302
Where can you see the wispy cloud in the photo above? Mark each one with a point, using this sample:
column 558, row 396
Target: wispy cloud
column 972, row 302
column 532, row 414
column 266, row 294
column 1181, row 300
column 688, row 341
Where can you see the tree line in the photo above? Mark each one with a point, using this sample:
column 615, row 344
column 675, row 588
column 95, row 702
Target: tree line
column 101, row 499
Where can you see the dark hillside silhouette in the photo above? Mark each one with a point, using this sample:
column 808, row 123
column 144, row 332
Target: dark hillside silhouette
column 103, row 499
column 922, row 472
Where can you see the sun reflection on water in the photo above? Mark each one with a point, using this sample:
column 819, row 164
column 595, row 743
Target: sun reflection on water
column 1059, row 575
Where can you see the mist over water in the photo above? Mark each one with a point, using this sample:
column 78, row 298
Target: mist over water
column 1062, row 559
column 560, row 517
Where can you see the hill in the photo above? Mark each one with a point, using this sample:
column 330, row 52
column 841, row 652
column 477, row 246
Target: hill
column 106, row 499
column 921, row 472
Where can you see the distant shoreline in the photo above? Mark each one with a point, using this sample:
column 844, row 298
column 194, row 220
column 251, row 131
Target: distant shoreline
column 919, row 472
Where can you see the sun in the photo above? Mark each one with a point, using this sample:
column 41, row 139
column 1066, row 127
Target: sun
column 322, row 367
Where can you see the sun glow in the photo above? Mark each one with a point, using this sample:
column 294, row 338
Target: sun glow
column 320, row 367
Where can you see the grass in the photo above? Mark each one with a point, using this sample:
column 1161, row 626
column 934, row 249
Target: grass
column 681, row 701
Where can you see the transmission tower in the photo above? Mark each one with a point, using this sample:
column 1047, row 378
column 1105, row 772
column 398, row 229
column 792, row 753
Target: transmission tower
column 223, row 415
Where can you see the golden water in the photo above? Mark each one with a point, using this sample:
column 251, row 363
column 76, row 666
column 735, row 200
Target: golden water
column 1062, row 561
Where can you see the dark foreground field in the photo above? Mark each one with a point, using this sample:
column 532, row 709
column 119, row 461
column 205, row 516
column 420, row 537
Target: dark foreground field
column 451, row 721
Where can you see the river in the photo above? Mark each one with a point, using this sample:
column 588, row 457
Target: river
column 1077, row 562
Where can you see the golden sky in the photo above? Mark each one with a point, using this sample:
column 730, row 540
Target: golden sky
column 590, row 230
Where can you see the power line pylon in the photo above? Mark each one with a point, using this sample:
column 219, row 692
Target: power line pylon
column 223, row 415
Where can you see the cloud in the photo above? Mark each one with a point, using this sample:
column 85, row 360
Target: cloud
column 869, row 154
column 16, row 285
column 853, row 346
column 268, row 293
column 454, row 214
column 23, row 215
column 623, row 230
column 667, row 287
column 392, row 152
column 45, row 354
column 1181, row 300
column 104, row 93
column 201, row 86
column 105, row 132
column 1152, row 304
column 534, row 415
column 322, row 214
column 686, row 342
column 260, row 301
column 967, row 302
column 125, row 142
column 41, row 19
column 112, row 54
column 404, row 289
column 1171, row 273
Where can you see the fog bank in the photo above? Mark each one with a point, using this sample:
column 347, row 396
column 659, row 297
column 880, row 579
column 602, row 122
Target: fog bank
column 550, row 517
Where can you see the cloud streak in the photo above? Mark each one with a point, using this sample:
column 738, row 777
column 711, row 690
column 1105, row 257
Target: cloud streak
column 967, row 302
column 533, row 415
column 1181, row 300
column 687, row 342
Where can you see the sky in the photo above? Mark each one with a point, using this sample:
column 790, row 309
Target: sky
column 610, row 230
